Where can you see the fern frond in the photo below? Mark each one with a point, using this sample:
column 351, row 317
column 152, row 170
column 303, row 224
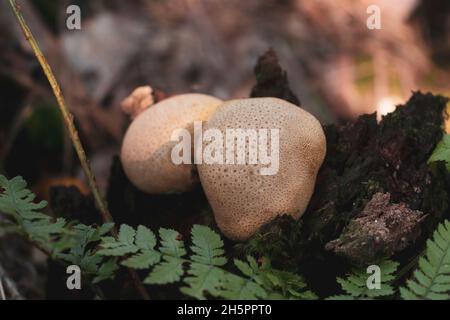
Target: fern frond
column 76, row 251
column 58, row 238
column 106, row 271
column 122, row 246
column 203, row 278
column 289, row 285
column 17, row 202
column 204, row 274
column 100, row 255
column 356, row 286
column 264, row 282
column 171, row 243
column 173, row 251
column 207, row 247
column 141, row 242
column 431, row 280
column 245, row 288
column 148, row 256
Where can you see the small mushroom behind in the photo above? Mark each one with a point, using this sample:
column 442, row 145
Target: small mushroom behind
column 147, row 146
column 140, row 100
column 241, row 197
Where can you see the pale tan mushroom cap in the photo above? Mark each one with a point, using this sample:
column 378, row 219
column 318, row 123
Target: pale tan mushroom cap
column 242, row 199
column 146, row 149
column 140, row 100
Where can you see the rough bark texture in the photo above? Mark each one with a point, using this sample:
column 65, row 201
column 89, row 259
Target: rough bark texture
column 272, row 80
column 380, row 230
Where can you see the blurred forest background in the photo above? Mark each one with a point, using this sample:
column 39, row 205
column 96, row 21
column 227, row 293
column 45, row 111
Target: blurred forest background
column 336, row 65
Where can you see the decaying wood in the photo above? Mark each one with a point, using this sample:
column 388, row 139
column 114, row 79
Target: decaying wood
column 380, row 230
column 272, row 80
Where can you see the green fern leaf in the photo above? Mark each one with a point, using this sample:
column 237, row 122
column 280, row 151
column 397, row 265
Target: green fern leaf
column 107, row 271
column 355, row 285
column 148, row 256
column 289, row 285
column 203, row 279
column 126, row 235
column 207, row 246
column 122, row 246
column 140, row 244
column 145, row 238
column 442, row 151
column 283, row 284
column 98, row 254
column 173, row 251
column 78, row 252
column 169, row 271
column 104, row 229
column 204, row 276
column 264, row 282
column 142, row 260
column 248, row 288
column 431, row 280
column 171, row 245
column 89, row 263
column 44, row 229
column 69, row 244
column 16, row 200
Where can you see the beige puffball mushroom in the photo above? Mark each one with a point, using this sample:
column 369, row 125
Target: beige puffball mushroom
column 242, row 199
column 140, row 100
column 147, row 147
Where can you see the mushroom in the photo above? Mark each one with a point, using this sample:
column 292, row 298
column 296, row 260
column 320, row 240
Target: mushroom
column 242, row 198
column 147, row 146
column 140, row 100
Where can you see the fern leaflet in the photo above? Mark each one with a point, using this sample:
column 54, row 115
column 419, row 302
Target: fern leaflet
column 170, row 270
column 204, row 274
column 356, row 285
column 61, row 241
column 99, row 255
column 432, row 278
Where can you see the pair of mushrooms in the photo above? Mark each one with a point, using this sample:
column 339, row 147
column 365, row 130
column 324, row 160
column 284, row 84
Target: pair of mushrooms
column 242, row 200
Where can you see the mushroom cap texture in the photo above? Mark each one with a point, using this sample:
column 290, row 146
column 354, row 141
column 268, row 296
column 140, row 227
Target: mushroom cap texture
column 242, row 199
column 146, row 150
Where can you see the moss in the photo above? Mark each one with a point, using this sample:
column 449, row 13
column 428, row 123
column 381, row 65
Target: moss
column 275, row 241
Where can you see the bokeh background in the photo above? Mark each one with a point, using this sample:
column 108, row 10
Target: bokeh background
column 336, row 65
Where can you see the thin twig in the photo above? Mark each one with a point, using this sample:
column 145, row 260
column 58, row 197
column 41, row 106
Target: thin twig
column 69, row 122
column 2, row 291
column 10, row 286
column 68, row 117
